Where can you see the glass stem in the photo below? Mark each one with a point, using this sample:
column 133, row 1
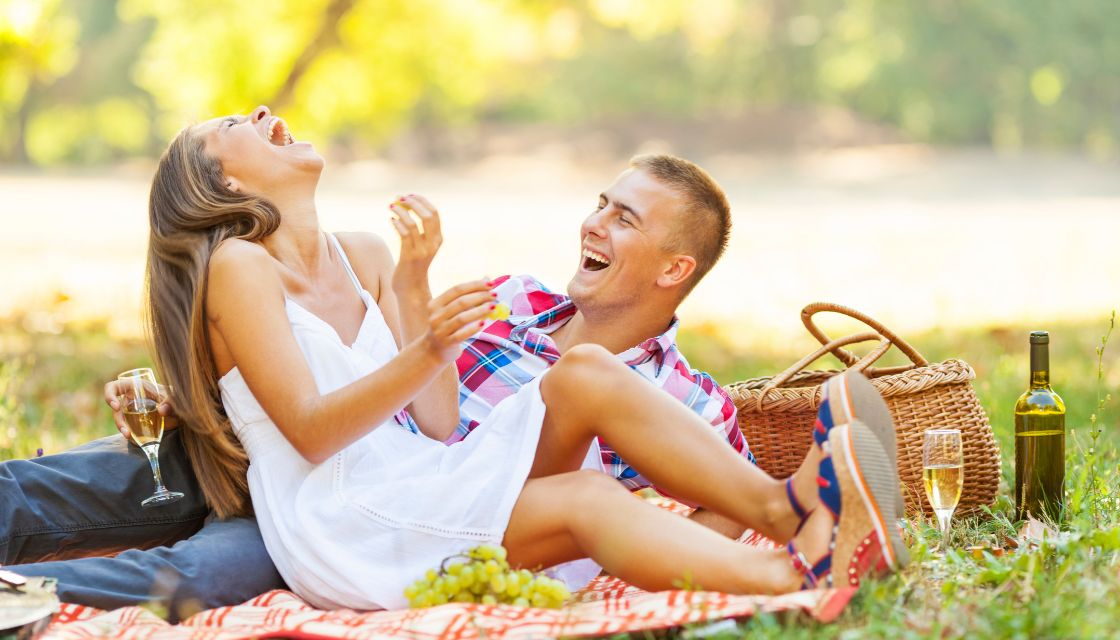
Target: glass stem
column 944, row 516
column 152, row 451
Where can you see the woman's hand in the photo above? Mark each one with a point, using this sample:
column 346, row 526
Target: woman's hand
column 456, row 315
column 419, row 243
column 165, row 408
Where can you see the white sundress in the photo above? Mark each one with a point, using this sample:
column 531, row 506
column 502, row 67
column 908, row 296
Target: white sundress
column 355, row 530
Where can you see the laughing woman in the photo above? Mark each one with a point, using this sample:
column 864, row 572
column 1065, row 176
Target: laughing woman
column 325, row 370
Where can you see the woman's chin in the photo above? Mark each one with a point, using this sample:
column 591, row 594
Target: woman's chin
column 305, row 156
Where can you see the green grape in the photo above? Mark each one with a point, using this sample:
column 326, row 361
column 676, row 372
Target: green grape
column 483, row 575
column 513, row 584
column 451, row 585
column 463, row 596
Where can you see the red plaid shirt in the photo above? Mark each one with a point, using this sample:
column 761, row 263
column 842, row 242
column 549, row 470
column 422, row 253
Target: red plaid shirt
column 508, row 354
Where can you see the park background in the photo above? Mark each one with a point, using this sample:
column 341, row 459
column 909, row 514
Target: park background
column 948, row 166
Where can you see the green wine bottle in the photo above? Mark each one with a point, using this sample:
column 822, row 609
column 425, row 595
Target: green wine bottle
column 1040, row 440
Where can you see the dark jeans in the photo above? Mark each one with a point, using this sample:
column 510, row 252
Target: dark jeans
column 55, row 511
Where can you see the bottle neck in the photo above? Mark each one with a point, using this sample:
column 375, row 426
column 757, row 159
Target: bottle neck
column 1040, row 366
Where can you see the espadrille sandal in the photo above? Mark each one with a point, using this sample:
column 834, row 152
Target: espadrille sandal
column 856, row 481
column 849, row 397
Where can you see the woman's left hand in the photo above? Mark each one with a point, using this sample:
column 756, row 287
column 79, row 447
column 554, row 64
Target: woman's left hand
column 419, row 242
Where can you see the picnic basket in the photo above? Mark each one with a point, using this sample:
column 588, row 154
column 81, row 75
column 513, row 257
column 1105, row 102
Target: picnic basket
column 776, row 413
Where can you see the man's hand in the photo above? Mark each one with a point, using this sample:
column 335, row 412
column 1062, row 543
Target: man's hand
column 165, row 409
column 419, row 243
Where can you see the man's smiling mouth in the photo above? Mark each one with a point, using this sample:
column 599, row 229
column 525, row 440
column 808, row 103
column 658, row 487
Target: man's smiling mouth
column 595, row 261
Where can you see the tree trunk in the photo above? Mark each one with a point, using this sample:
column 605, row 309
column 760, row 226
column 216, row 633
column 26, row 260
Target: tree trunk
column 324, row 38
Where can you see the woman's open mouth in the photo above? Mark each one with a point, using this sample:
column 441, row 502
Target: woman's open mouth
column 278, row 132
column 595, row 261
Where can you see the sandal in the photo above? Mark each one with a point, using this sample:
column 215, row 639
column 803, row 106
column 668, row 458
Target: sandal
column 857, row 480
column 851, row 396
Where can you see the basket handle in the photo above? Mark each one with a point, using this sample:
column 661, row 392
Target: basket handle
column 847, row 357
column 830, row 346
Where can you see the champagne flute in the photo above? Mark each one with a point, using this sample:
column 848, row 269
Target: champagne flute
column 943, row 474
column 140, row 398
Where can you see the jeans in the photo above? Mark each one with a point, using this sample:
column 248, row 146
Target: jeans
column 58, row 510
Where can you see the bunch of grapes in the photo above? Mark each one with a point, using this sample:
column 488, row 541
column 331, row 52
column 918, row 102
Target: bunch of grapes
column 483, row 575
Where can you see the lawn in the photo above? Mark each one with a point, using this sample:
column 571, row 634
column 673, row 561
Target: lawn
column 51, row 375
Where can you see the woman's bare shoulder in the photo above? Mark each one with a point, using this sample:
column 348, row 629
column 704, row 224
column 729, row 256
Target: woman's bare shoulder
column 240, row 269
column 238, row 252
column 369, row 255
column 362, row 243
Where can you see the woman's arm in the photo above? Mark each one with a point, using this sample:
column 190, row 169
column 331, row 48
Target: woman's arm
column 436, row 409
column 245, row 302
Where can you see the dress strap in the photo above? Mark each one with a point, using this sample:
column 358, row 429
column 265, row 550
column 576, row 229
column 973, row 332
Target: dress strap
column 346, row 263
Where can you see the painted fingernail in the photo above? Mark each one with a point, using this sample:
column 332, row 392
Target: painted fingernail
column 481, row 322
column 493, row 295
column 493, row 306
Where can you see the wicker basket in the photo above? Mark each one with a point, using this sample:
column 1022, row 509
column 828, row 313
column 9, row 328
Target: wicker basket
column 776, row 414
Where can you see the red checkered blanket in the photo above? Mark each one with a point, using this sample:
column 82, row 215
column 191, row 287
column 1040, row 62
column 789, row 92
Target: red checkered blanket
column 606, row 606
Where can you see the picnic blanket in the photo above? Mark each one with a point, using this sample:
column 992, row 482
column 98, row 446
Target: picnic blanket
column 606, row 606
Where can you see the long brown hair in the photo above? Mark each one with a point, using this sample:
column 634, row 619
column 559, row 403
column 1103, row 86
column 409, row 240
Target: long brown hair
column 191, row 211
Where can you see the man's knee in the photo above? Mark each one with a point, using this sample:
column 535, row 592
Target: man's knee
column 580, row 370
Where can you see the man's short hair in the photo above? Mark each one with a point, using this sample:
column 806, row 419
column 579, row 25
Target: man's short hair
column 704, row 224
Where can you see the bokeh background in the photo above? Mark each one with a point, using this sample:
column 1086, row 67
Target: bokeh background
column 947, row 166
column 951, row 167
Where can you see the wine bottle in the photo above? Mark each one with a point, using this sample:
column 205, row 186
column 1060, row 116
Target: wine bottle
column 1040, row 440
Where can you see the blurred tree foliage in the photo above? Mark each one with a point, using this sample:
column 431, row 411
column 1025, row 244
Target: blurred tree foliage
column 95, row 80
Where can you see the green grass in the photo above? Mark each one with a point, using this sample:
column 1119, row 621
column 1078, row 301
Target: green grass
column 50, row 398
column 1063, row 590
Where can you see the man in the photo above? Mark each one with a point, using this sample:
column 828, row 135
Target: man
column 654, row 234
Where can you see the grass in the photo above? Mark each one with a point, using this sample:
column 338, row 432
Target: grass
column 51, row 375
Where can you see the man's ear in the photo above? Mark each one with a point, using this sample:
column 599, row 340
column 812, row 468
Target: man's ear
column 677, row 271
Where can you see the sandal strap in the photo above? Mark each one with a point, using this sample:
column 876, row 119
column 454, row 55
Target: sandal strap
column 814, row 574
column 794, row 503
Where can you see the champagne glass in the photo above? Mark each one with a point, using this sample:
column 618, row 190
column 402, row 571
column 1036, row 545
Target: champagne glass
column 943, row 474
column 140, row 398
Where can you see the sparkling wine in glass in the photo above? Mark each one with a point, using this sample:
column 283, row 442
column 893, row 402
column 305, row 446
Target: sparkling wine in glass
column 943, row 474
column 140, row 398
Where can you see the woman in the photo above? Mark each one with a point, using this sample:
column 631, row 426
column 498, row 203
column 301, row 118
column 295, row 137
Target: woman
column 333, row 368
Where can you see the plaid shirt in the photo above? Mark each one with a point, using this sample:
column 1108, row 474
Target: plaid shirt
column 508, row 354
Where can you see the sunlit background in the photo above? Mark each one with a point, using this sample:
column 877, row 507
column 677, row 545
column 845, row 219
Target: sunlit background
column 935, row 163
column 951, row 167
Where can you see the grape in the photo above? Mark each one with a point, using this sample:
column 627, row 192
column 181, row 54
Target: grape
column 483, row 575
column 500, row 312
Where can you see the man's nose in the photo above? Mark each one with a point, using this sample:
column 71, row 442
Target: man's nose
column 594, row 223
column 260, row 113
